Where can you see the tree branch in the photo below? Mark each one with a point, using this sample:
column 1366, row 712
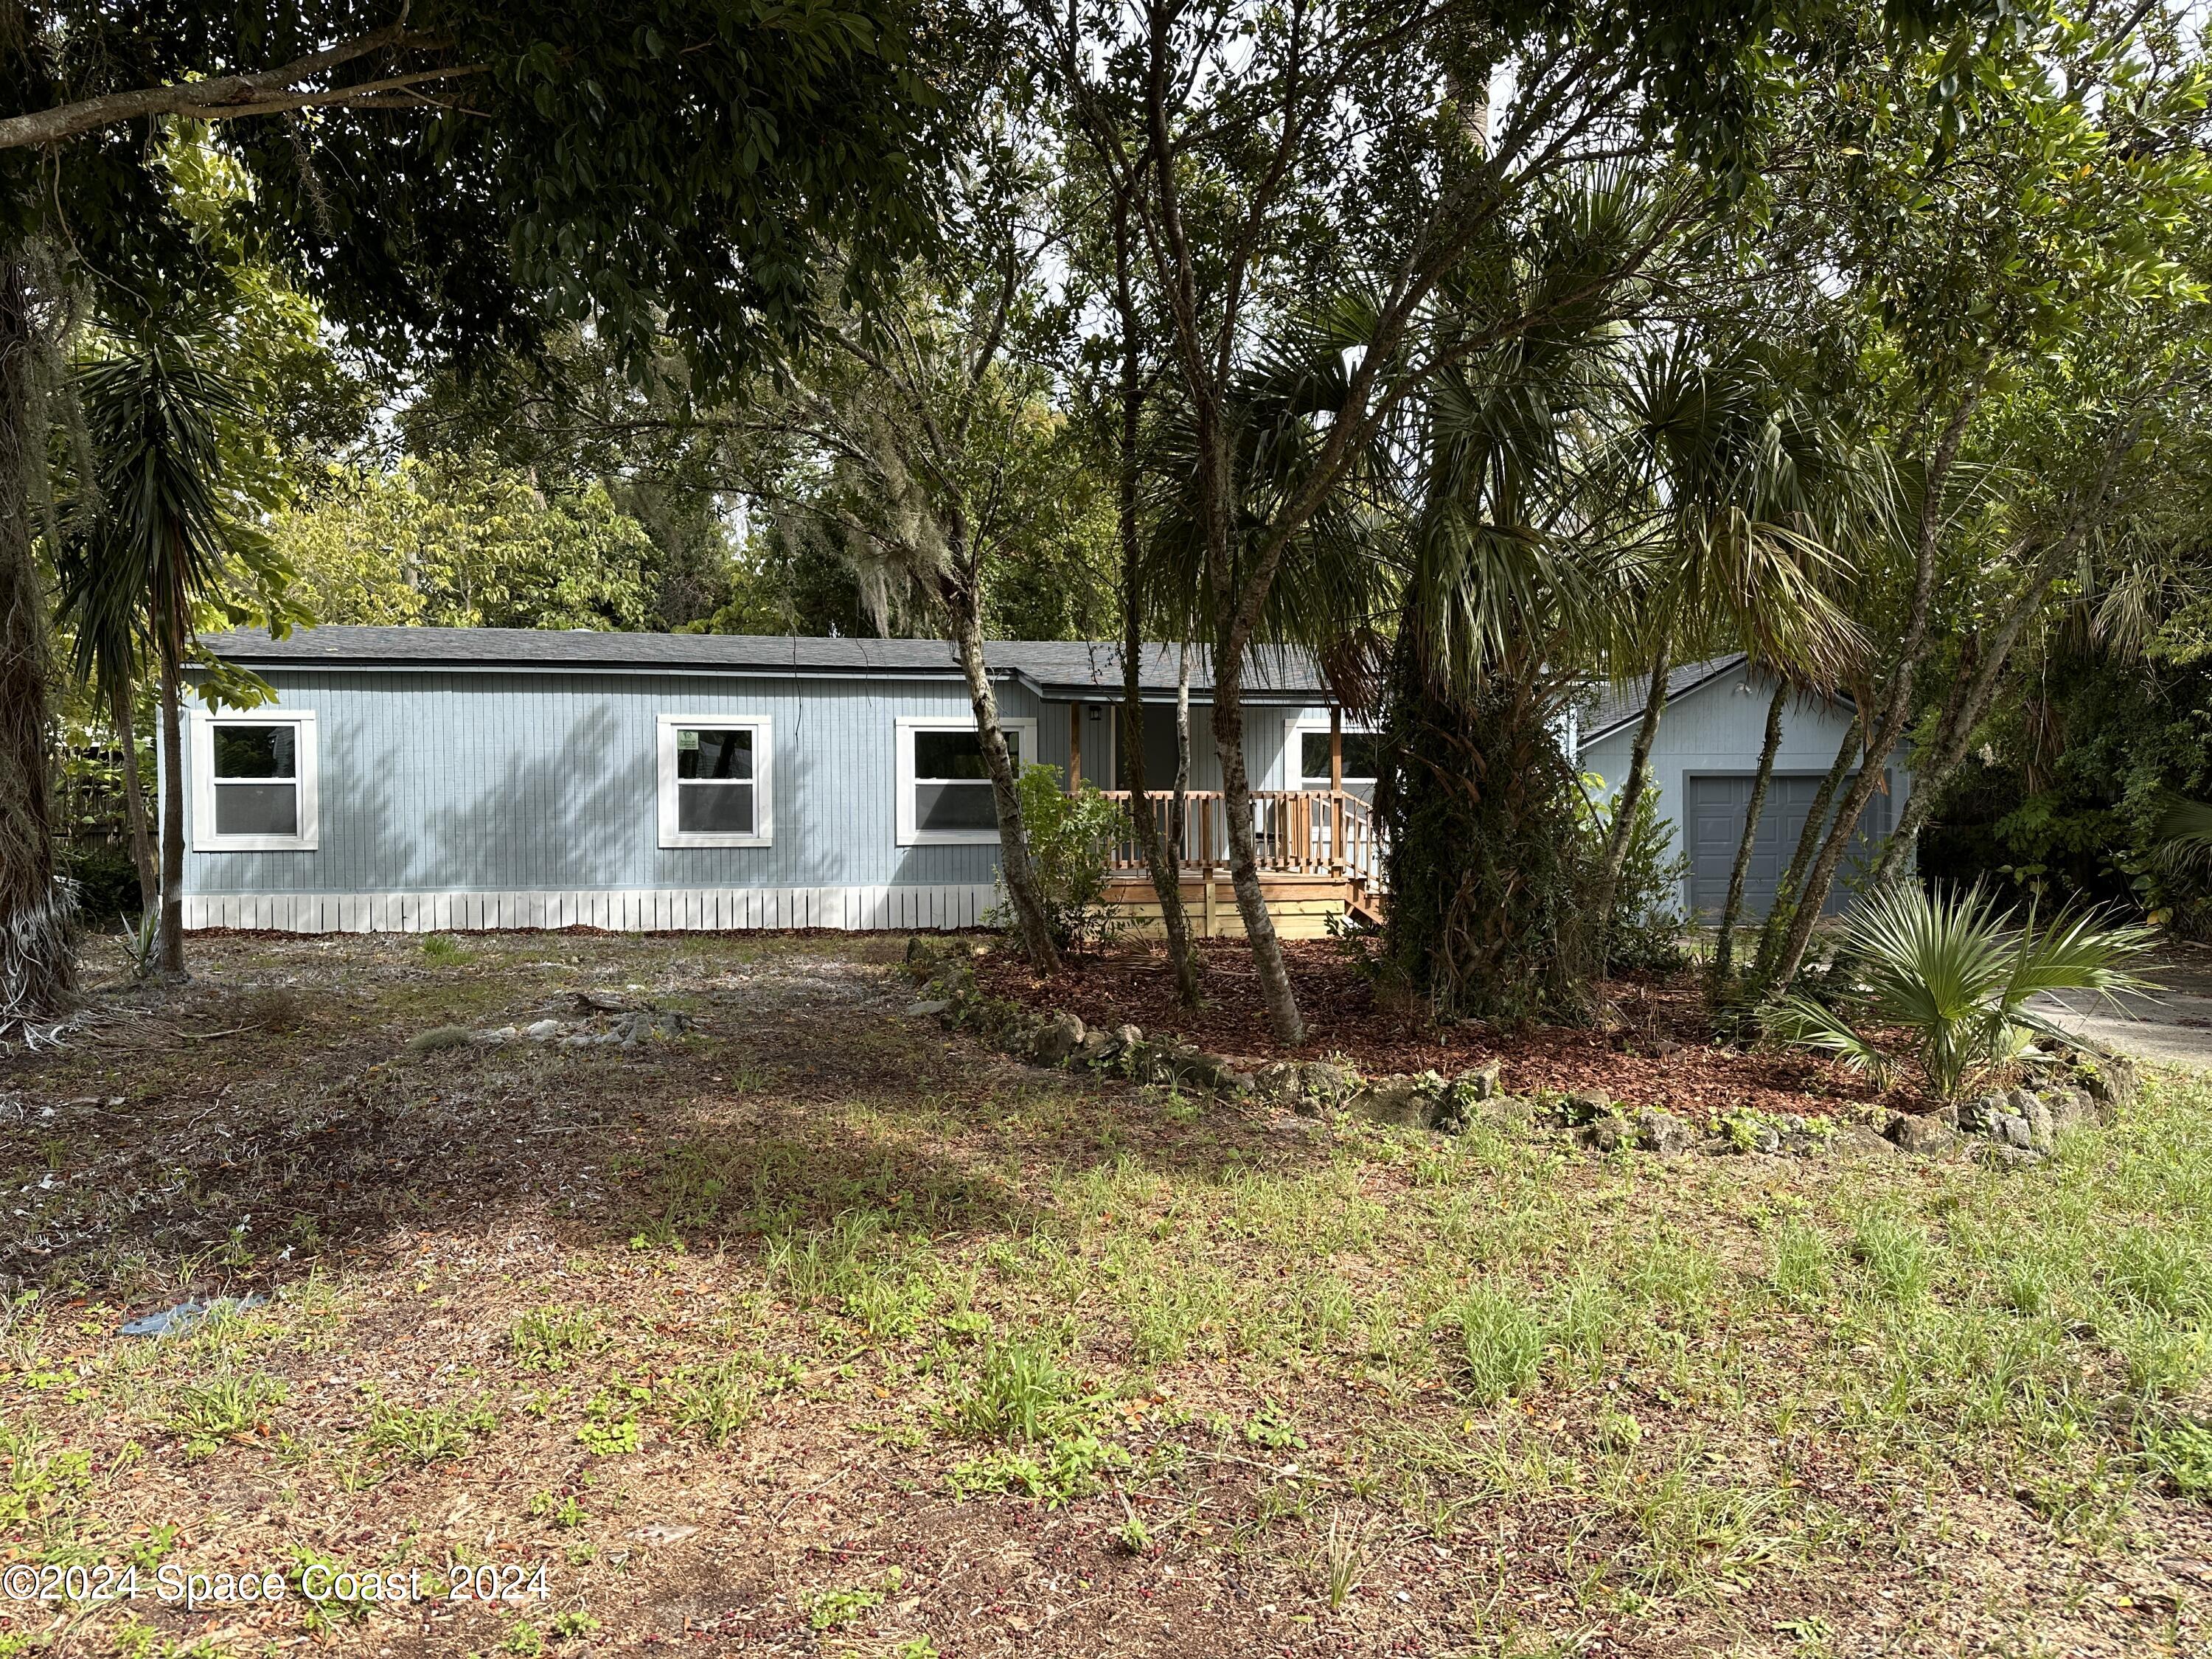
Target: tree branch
column 231, row 97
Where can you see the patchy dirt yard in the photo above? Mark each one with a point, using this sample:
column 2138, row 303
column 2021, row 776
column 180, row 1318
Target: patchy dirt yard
column 794, row 1327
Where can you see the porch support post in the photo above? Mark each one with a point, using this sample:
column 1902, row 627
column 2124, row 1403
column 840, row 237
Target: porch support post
column 1074, row 747
column 1335, row 786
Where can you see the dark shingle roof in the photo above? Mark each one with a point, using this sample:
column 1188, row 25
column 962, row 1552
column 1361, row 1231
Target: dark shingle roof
column 1049, row 666
column 1622, row 703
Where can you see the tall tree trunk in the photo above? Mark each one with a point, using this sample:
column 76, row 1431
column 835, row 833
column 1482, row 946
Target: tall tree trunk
column 1244, row 851
column 1963, row 712
column 1165, row 864
column 121, row 695
column 1476, row 808
column 1776, row 924
column 1884, row 733
column 1179, row 813
column 1624, row 815
column 173, row 816
column 1014, row 862
column 1723, row 964
column 36, row 971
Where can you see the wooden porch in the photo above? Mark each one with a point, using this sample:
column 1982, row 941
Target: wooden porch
column 1319, row 857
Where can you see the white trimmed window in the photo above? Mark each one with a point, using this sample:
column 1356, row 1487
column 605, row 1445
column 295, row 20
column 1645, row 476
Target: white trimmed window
column 714, row 777
column 1306, row 749
column 944, row 790
column 253, row 782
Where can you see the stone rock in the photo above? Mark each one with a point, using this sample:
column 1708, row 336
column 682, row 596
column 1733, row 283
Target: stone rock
column 1663, row 1133
column 1212, row 1072
column 1127, row 1039
column 1979, row 1117
column 2111, row 1080
column 1326, row 1085
column 1510, row 1111
column 929, row 1008
column 1451, row 1103
column 1927, row 1135
column 1280, row 1080
column 1481, row 1083
column 1587, row 1107
column 1611, row 1133
column 2042, row 1128
column 2011, row 1129
column 1867, row 1141
column 1057, row 1040
column 543, row 1030
column 1399, row 1103
column 2070, row 1108
column 1095, row 1049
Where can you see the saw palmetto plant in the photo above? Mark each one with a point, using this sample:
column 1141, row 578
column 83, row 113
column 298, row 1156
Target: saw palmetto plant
column 1948, row 984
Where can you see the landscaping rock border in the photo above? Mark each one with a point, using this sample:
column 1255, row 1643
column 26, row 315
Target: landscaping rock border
column 944, row 969
column 2022, row 1126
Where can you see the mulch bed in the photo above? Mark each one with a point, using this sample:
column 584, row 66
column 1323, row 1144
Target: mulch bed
column 1667, row 1056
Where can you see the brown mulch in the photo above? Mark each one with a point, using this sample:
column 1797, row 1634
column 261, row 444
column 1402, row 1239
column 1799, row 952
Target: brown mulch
column 1667, row 1056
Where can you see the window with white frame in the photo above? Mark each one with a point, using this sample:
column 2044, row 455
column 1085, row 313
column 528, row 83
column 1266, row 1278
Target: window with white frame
column 1309, row 758
column 944, row 788
column 254, row 781
column 714, row 776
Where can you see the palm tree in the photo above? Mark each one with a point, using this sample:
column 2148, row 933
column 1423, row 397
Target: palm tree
column 1515, row 584
column 156, row 551
column 107, row 655
column 1334, row 582
column 1726, row 470
column 1949, row 980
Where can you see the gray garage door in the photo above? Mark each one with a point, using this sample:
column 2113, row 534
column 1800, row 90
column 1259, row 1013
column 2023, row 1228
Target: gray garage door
column 1717, row 805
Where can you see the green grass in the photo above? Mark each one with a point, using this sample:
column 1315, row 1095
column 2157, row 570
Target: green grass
column 426, row 1434
column 1691, row 1397
column 552, row 1339
column 222, row 1408
column 1502, row 1341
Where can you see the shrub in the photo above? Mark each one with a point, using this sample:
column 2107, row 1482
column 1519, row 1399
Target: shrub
column 1071, row 838
column 1955, row 975
column 1646, row 932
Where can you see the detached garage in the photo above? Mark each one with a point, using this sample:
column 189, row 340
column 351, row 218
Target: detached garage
column 1703, row 762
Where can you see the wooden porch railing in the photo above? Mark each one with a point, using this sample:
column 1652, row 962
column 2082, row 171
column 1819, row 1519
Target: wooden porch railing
column 1317, row 832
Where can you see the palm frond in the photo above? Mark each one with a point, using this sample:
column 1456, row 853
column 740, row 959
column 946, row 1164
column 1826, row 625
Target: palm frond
column 1801, row 1020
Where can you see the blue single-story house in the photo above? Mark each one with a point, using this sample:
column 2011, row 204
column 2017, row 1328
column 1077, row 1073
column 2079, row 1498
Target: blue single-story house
column 1701, row 764
column 423, row 779
column 433, row 780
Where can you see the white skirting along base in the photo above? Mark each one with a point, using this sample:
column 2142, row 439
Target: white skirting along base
column 709, row 909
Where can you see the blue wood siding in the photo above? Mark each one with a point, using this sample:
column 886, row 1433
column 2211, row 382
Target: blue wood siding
column 461, row 781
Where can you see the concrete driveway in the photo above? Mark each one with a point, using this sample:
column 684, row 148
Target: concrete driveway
column 2171, row 1026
